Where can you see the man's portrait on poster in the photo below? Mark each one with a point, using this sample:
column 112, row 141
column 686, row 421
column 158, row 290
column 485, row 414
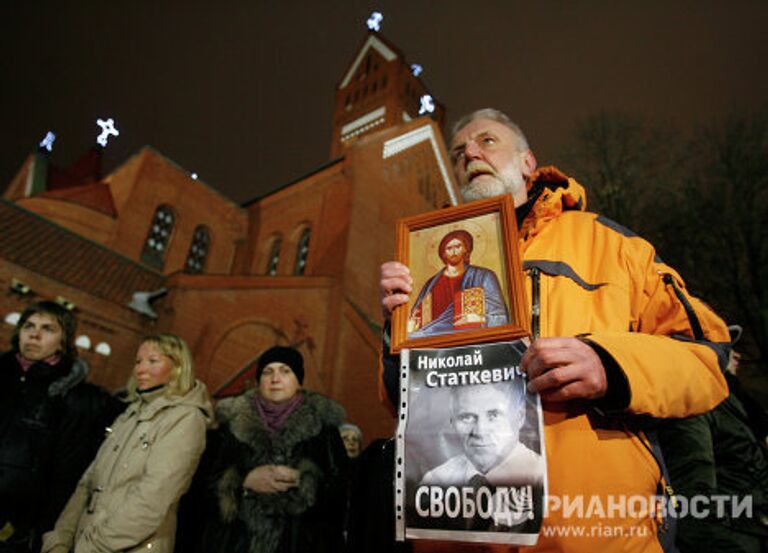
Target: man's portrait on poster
column 473, row 455
column 486, row 420
column 469, row 282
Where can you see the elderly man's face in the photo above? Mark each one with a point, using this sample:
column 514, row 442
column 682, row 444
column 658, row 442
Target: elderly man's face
column 488, row 162
column 488, row 429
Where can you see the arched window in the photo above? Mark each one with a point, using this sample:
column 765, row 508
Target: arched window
column 198, row 251
column 274, row 256
column 158, row 237
column 302, row 251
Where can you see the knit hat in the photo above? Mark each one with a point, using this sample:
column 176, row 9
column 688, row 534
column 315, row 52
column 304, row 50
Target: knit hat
column 281, row 354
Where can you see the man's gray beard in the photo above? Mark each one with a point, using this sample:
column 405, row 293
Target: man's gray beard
column 488, row 188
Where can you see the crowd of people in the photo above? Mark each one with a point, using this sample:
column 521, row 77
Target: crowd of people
column 83, row 471
column 630, row 369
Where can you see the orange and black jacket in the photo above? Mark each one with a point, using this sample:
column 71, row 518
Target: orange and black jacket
column 663, row 350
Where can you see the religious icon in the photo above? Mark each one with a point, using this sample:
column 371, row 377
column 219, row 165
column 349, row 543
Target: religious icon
column 461, row 294
column 467, row 277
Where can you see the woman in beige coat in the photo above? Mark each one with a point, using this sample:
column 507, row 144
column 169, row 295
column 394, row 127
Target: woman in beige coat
column 128, row 497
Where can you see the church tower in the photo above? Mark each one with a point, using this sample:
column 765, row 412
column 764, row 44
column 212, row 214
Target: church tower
column 378, row 90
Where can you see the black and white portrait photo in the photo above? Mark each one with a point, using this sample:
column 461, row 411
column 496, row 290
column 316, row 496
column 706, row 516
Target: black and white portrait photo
column 474, row 464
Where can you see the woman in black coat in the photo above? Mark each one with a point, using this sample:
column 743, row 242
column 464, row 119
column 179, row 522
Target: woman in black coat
column 281, row 464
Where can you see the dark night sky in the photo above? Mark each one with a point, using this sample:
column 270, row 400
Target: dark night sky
column 242, row 92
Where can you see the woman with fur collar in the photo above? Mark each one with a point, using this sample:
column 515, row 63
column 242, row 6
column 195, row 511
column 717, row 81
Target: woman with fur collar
column 281, row 463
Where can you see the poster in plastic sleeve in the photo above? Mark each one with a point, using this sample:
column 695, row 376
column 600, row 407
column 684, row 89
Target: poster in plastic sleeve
column 470, row 462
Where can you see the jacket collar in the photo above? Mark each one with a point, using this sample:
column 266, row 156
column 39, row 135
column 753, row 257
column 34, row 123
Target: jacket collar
column 147, row 405
column 559, row 193
column 307, row 421
column 61, row 378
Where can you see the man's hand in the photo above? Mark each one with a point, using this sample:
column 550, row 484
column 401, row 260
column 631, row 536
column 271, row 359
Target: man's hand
column 395, row 285
column 271, row 479
column 564, row 369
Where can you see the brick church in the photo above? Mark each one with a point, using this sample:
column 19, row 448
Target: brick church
column 148, row 248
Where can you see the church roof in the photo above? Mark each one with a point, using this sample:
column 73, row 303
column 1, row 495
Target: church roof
column 37, row 244
column 96, row 196
column 302, row 178
column 374, row 41
column 85, row 170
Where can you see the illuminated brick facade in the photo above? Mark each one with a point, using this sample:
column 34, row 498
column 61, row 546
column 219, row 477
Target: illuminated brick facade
column 298, row 266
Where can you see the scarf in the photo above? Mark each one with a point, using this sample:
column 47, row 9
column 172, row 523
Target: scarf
column 149, row 390
column 53, row 360
column 274, row 415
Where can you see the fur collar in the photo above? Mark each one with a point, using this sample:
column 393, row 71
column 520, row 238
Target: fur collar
column 307, row 421
column 62, row 376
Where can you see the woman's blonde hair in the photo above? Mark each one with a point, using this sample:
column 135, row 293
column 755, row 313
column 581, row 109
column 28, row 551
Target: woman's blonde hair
column 182, row 375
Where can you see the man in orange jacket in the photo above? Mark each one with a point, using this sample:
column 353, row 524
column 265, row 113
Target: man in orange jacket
column 616, row 338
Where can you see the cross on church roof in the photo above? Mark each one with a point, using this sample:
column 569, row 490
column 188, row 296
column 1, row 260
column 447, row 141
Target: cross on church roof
column 374, row 21
column 427, row 104
column 107, row 129
column 47, row 142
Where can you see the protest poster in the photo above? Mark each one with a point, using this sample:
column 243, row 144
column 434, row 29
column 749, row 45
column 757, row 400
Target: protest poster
column 470, row 459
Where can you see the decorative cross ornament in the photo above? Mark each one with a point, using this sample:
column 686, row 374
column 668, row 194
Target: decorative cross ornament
column 107, row 129
column 416, row 69
column 374, row 21
column 427, row 104
column 48, row 141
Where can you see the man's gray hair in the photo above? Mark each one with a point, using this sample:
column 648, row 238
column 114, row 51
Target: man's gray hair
column 353, row 427
column 494, row 115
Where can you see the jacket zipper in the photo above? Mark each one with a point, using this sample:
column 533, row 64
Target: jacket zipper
column 698, row 333
column 535, row 302
column 119, row 448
